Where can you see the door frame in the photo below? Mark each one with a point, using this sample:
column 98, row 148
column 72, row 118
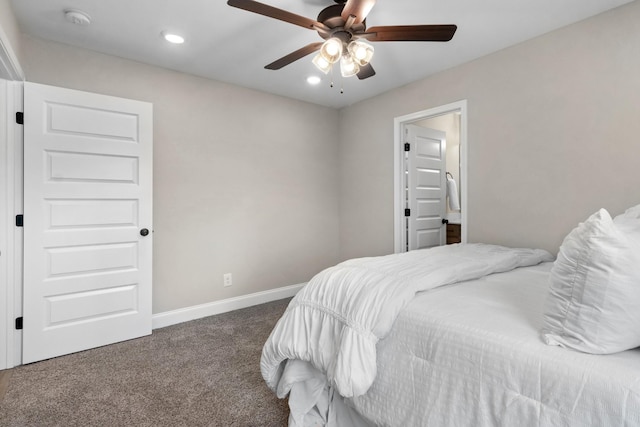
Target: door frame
column 399, row 235
column 11, row 197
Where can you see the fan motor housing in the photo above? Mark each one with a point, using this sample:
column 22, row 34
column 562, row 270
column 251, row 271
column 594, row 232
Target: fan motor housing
column 332, row 17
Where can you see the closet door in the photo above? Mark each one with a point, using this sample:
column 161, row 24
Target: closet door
column 87, row 220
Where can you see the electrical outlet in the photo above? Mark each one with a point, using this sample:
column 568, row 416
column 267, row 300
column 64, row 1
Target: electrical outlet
column 227, row 279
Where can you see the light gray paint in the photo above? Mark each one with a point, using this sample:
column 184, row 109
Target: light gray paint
column 11, row 40
column 553, row 136
column 244, row 182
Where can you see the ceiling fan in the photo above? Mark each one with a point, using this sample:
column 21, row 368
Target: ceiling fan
column 344, row 29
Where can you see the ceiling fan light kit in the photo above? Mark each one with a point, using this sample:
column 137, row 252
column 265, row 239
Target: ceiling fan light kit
column 360, row 51
column 343, row 27
column 331, row 50
column 351, row 56
column 322, row 64
column 348, row 66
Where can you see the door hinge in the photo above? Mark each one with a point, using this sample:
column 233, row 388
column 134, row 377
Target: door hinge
column 407, row 146
column 18, row 322
column 407, row 212
column 20, row 118
column 19, row 220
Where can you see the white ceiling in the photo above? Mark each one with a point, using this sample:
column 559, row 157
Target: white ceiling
column 233, row 45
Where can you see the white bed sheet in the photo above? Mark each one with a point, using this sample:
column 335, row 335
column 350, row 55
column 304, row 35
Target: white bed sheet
column 469, row 354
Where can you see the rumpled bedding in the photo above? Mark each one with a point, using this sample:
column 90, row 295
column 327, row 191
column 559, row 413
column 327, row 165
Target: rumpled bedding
column 336, row 320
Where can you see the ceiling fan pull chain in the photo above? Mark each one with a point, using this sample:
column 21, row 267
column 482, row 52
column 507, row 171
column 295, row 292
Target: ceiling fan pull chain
column 331, row 71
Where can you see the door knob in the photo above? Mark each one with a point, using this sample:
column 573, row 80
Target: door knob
column 144, row 232
column 445, row 221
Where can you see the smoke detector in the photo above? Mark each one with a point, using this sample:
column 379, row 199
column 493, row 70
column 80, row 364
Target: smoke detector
column 77, row 17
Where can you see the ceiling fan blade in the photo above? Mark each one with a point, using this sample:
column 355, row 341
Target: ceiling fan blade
column 274, row 12
column 366, row 71
column 294, row 56
column 357, row 8
column 409, row 33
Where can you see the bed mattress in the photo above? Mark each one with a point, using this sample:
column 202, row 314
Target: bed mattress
column 469, row 354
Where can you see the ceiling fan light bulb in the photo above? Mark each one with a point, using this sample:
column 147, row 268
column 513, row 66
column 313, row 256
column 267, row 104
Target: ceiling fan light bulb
column 331, row 50
column 348, row 67
column 361, row 52
column 321, row 63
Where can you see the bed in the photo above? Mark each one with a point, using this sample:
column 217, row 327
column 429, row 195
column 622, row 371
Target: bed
column 453, row 340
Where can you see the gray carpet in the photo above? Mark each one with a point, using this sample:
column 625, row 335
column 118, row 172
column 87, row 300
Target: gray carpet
column 200, row 373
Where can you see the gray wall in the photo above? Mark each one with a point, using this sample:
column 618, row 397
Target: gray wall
column 553, row 136
column 9, row 25
column 244, row 182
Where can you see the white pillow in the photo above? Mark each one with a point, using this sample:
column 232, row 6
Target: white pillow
column 633, row 212
column 593, row 303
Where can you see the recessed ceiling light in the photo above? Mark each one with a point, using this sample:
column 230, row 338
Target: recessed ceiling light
column 313, row 80
column 173, row 38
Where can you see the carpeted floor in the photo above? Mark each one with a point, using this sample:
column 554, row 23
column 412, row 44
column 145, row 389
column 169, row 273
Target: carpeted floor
column 200, row 373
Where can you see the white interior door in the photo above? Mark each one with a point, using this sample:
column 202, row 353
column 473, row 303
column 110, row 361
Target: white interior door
column 87, row 204
column 426, row 187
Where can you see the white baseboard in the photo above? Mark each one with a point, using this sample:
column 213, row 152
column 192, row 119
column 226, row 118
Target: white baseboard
column 186, row 314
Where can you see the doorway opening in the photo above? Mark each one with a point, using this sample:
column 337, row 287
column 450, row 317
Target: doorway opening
column 437, row 117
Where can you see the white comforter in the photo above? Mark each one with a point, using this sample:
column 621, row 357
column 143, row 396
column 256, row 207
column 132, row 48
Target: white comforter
column 336, row 320
column 470, row 355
